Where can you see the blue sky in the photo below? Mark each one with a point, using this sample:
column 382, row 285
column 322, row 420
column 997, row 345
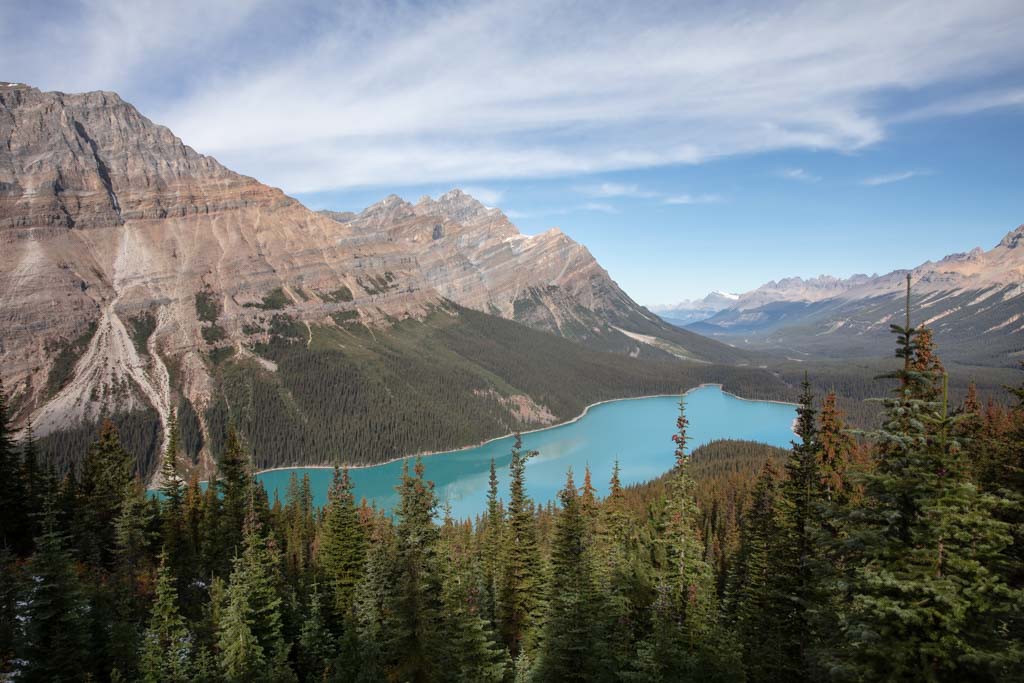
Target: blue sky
column 690, row 146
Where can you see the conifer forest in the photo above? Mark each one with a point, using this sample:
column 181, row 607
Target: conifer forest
column 893, row 554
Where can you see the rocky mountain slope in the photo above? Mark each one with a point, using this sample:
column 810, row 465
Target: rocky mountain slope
column 137, row 275
column 974, row 301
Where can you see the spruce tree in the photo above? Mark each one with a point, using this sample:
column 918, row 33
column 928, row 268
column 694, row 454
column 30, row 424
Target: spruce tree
column 254, row 609
column 35, row 480
column 233, row 482
column 132, row 574
column 520, row 602
column 242, row 656
column 923, row 553
column 753, row 601
column 9, row 580
column 796, row 572
column 836, row 447
column 168, row 646
column 493, row 528
column 106, row 473
column 570, row 650
column 471, row 652
column 418, row 607
column 13, row 521
column 342, row 548
column 54, row 639
column 381, row 629
column 316, row 643
column 686, row 641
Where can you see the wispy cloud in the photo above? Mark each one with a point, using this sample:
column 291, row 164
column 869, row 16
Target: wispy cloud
column 798, row 174
column 966, row 104
column 892, row 178
column 312, row 95
column 615, row 190
column 599, row 206
column 693, row 199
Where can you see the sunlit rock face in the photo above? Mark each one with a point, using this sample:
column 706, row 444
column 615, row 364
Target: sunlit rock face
column 126, row 258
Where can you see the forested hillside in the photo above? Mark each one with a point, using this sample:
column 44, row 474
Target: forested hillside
column 348, row 394
column 895, row 554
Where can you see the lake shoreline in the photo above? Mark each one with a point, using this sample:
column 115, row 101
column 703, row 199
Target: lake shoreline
column 427, row 454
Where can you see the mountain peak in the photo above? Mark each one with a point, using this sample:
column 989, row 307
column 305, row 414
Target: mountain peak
column 454, row 205
column 1013, row 238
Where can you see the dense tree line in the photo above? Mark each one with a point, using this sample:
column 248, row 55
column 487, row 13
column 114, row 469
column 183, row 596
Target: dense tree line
column 349, row 394
column 355, row 395
column 895, row 554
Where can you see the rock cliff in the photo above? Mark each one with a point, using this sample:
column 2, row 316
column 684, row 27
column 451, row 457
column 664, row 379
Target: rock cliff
column 130, row 263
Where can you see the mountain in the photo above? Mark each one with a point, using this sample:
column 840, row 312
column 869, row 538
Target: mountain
column 139, row 277
column 974, row 301
column 695, row 310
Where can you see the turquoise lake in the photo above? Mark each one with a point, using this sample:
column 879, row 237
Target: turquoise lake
column 636, row 432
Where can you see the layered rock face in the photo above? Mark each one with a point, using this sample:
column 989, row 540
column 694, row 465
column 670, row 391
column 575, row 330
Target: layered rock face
column 127, row 259
column 475, row 256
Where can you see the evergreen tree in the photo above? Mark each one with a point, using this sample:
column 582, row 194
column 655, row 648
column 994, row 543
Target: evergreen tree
column 493, row 528
column 570, row 651
column 471, row 652
column 255, row 581
column 417, row 603
column 836, row 447
column 519, row 599
column 753, row 601
column 242, row 656
column 13, row 520
column 380, row 630
column 34, row 478
column 234, row 482
column 796, row 573
column 172, row 490
column 106, row 473
column 926, row 597
column 9, row 578
column 616, row 573
column 54, row 612
column 686, row 641
column 299, row 530
column 316, row 643
column 342, row 549
column 168, row 647
column 132, row 562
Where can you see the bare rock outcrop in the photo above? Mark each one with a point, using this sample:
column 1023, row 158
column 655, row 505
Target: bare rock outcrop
column 126, row 258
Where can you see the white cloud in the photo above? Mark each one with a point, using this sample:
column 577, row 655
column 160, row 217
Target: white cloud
column 966, row 104
column 314, row 95
column 798, row 174
column 615, row 190
column 892, row 178
column 693, row 199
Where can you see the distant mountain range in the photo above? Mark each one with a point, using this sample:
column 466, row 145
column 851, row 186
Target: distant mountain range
column 695, row 310
column 139, row 277
column 974, row 301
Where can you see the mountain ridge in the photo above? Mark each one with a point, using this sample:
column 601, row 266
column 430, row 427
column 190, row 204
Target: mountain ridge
column 973, row 299
column 140, row 274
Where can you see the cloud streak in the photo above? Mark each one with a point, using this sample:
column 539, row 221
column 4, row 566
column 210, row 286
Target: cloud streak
column 616, row 190
column 891, row 178
column 798, row 174
column 311, row 96
column 683, row 199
